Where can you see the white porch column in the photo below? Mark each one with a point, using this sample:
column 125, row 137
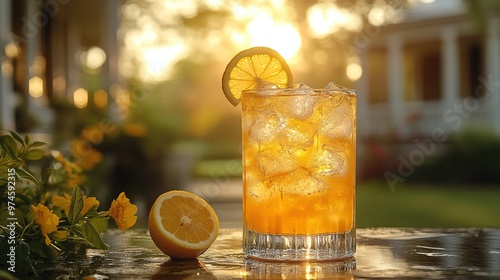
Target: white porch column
column 491, row 82
column 7, row 121
column 362, row 93
column 111, row 75
column 73, row 45
column 395, row 82
column 450, row 68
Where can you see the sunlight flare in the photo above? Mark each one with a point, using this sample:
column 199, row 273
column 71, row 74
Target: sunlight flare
column 283, row 37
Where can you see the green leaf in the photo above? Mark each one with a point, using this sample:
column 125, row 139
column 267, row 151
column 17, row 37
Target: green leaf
column 27, row 175
column 94, row 237
column 27, row 139
column 34, row 154
column 17, row 137
column 4, row 274
column 58, row 212
column 76, row 205
column 30, row 217
column 78, row 230
column 37, row 144
column 39, row 248
column 9, row 145
column 100, row 224
column 23, row 250
column 23, row 198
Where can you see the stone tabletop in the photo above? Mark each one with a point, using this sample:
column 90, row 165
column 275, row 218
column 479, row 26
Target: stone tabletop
column 387, row 253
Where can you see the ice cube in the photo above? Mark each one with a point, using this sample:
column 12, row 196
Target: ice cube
column 297, row 134
column 301, row 86
column 301, row 104
column 298, row 182
column 338, row 122
column 332, row 85
column 329, row 161
column 255, row 187
column 337, row 128
column 266, row 127
column 272, row 162
column 300, row 107
column 264, row 85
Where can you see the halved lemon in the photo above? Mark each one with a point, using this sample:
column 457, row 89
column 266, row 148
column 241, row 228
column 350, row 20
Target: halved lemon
column 182, row 225
column 252, row 68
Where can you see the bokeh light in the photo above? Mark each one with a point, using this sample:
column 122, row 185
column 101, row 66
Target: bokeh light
column 11, row 50
column 36, row 87
column 354, row 71
column 80, row 98
column 7, row 69
column 93, row 58
column 100, row 98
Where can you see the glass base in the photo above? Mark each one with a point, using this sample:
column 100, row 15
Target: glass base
column 299, row 247
column 334, row 269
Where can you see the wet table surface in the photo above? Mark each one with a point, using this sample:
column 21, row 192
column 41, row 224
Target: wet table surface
column 382, row 253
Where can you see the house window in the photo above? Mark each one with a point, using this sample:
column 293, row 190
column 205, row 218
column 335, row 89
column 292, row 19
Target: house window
column 377, row 76
column 423, row 71
column 430, row 75
column 472, row 62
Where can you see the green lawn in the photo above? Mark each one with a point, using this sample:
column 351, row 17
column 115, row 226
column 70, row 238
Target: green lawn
column 427, row 206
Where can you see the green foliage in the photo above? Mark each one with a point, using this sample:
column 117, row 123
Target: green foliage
column 482, row 10
column 15, row 151
column 426, row 205
column 471, row 157
column 38, row 228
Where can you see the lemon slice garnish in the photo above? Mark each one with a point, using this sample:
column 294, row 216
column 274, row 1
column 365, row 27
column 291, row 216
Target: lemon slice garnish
column 252, row 68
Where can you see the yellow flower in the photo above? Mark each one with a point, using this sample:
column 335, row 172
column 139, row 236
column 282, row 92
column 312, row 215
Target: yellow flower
column 65, row 202
column 62, row 202
column 46, row 220
column 123, row 212
column 89, row 202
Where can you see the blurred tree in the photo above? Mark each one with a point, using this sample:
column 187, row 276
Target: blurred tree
column 330, row 32
column 174, row 52
column 481, row 9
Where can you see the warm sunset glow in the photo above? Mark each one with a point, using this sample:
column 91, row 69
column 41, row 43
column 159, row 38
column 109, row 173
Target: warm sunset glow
column 326, row 18
column 167, row 32
column 321, row 18
column 160, row 60
column 283, row 37
column 151, row 51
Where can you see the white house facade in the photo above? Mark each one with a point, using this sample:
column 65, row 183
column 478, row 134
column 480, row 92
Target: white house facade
column 435, row 72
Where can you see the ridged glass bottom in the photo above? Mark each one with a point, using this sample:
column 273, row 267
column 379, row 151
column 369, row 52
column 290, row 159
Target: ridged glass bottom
column 299, row 247
column 333, row 269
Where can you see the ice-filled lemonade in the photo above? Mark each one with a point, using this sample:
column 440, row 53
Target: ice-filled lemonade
column 299, row 160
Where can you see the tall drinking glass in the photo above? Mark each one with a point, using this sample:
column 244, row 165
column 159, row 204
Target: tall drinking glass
column 299, row 162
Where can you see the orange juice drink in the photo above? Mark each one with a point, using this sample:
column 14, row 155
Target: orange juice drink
column 299, row 163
